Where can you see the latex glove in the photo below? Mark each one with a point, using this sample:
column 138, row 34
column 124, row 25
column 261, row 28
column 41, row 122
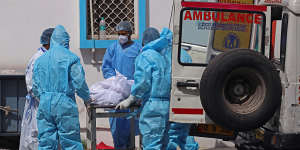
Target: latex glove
column 126, row 103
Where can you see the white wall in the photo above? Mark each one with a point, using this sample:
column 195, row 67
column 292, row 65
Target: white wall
column 159, row 13
column 22, row 23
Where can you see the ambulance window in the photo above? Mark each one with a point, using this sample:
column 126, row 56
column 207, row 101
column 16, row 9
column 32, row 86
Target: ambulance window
column 205, row 33
column 190, row 38
column 194, row 39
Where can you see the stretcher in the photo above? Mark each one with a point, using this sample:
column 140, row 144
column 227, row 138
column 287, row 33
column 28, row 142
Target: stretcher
column 92, row 115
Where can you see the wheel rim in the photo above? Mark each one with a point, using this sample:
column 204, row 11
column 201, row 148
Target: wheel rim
column 244, row 90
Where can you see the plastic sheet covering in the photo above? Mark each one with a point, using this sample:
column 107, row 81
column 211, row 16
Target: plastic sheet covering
column 29, row 130
column 110, row 92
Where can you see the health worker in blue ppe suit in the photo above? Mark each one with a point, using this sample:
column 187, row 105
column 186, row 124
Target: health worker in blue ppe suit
column 178, row 132
column 152, row 87
column 57, row 76
column 29, row 124
column 120, row 56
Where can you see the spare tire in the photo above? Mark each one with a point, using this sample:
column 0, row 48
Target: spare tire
column 240, row 90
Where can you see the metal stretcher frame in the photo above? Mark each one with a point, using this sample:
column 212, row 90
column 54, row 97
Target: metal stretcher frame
column 91, row 124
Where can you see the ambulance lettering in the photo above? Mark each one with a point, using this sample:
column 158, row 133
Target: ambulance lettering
column 230, row 17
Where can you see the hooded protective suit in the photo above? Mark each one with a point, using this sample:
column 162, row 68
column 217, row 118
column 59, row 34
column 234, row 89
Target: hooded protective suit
column 178, row 132
column 152, row 86
column 57, row 75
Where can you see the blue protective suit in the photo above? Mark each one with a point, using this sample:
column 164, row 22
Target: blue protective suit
column 57, row 75
column 153, row 74
column 179, row 132
column 152, row 86
column 179, row 136
column 122, row 59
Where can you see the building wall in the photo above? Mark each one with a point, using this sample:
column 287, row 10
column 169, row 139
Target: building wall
column 159, row 16
column 23, row 21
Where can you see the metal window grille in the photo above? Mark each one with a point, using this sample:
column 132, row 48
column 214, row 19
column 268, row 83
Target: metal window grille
column 113, row 11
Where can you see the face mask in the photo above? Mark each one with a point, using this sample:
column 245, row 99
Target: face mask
column 123, row 39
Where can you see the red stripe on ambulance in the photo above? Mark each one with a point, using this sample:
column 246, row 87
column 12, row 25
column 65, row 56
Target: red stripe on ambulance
column 187, row 111
column 225, row 6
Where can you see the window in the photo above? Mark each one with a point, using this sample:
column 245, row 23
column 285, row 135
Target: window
column 207, row 32
column 12, row 94
column 113, row 12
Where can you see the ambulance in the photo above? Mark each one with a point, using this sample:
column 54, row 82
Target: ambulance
column 243, row 83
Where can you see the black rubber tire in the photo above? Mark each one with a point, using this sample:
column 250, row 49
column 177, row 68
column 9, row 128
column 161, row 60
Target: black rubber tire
column 227, row 68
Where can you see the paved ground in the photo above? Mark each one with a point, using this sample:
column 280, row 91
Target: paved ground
column 204, row 143
column 221, row 149
column 214, row 144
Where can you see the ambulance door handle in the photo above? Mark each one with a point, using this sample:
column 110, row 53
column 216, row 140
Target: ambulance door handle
column 188, row 83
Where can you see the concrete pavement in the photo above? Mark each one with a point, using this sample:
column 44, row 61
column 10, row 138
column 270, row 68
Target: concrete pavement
column 204, row 143
column 214, row 144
